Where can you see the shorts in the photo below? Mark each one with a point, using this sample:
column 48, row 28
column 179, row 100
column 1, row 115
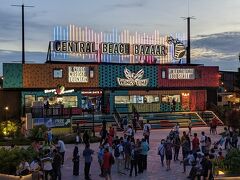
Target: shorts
column 168, row 156
column 107, row 171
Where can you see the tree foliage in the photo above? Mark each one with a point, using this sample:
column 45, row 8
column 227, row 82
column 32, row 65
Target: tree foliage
column 10, row 159
column 233, row 119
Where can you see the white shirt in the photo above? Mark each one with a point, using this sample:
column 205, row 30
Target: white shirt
column 161, row 149
column 47, row 163
column 23, row 166
column 34, row 166
column 120, row 148
column 146, row 126
column 129, row 131
column 202, row 141
column 61, row 145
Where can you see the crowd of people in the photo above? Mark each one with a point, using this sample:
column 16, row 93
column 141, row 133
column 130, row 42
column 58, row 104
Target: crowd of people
column 198, row 152
column 47, row 163
column 129, row 154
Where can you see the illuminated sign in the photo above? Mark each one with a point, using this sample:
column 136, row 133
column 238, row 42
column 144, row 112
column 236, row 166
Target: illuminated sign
column 91, row 92
column 74, row 47
column 109, row 48
column 59, row 90
column 116, row 45
column 78, row 74
column 175, row 73
column 133, row 79
column 179, row 48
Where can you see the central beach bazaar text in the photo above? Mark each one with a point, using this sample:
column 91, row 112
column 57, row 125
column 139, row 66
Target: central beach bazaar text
column 109, row 48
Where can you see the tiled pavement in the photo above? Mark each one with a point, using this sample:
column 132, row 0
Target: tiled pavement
column 154, row 172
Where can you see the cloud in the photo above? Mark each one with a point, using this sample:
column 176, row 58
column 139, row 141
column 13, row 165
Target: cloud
column 220, row 49
column 128, row 4
column 10, row 30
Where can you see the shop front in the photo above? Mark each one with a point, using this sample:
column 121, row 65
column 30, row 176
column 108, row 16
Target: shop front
column 79, row 87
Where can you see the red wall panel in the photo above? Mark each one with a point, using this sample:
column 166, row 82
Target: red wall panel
column 207, row 77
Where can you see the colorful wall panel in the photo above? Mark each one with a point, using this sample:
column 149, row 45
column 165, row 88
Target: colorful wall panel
column 108, row 74
column 204, row 77
column 41, row 76
column 12, row 74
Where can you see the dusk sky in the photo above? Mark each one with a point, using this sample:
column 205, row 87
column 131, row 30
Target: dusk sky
column 215, row 32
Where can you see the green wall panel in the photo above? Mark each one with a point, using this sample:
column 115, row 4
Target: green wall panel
column 12, row 74
column 108, row 74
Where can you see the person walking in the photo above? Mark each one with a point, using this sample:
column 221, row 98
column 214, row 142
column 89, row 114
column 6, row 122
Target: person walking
column 168, row 152
column 75, row 161
column 100, row 159
column 161, row 151
column 107, row 163
column 195, row 143
column 119, row 155
column 46, row 162
column 203, row 142
column 139, row 156
column 133, row 159
column 190, row 127
column 145, row 148
column 61, row 147
column 87, row 154
column 56, row 164
column 146, row 131
column 176, row 144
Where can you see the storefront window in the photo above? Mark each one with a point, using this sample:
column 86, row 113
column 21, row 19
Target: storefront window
column 28, row 100
column 57, row 73
column 136, row 99
column 151, row 99
column 122, row 100
column 169, row 98
column 69, row 101
column 66, row 101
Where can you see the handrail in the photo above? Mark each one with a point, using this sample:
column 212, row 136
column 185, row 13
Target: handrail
column 134, row 110
column 117, row 117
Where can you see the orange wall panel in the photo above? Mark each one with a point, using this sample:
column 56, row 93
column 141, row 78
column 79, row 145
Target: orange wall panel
column 41, row 76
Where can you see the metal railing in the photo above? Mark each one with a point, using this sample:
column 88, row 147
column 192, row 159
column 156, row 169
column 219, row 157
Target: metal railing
column 41, row 112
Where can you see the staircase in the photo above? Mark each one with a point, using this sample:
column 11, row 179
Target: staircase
column 207, row 116
column 169, row 120
column 86, row 122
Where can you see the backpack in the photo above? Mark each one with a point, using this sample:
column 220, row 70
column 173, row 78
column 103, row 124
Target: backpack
column 112, row 160
column 116, row 152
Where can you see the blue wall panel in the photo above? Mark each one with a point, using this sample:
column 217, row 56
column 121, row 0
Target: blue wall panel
column 108, row 74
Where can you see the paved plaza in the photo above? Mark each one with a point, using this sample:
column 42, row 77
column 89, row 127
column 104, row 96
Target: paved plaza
column 154, row 171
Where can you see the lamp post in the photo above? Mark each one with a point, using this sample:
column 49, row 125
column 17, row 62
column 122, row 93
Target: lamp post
column 6, row 110
column 93, row 122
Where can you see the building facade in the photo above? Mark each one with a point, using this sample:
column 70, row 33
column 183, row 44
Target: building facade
column 109, row 86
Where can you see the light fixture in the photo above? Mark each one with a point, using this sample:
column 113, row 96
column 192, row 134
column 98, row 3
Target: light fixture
column 6, row 108
column 220, row 172
column 91, row 72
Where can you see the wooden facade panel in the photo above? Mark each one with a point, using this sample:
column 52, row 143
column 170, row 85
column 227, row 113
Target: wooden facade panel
column 41, row 76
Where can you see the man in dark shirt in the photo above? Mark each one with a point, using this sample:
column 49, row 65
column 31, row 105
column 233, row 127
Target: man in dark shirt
column 207, row 168
column 57, row 162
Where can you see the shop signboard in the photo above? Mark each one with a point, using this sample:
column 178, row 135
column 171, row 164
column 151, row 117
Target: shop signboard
column 116, row 46
column 133, row 79
column 78, row 74
column 52, row 123
column 183, row 73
